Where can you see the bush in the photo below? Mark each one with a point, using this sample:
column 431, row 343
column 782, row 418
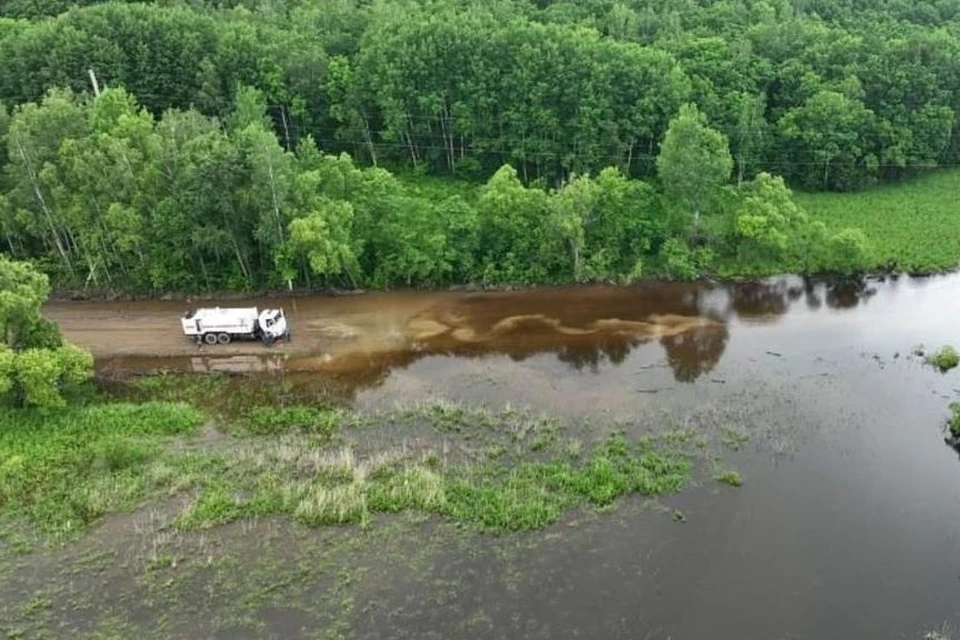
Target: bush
column 37, row 376
column 945, row 359
column 953, row 423
column 847, row 252
column 680, row 262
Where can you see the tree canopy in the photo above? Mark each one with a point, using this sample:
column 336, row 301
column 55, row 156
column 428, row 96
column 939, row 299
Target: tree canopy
column 250, row 144
column 829, row 95
column 34, row 361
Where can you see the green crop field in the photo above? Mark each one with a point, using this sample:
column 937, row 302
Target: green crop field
column 912, row 226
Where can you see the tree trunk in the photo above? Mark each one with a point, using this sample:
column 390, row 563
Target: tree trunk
column 413, row 150
column 448, row 137
column 43, row 205
column 286, row 127
column 576, row 261
column 203, row 270
column 368, row 137
column 275, row 199
column 243, row 266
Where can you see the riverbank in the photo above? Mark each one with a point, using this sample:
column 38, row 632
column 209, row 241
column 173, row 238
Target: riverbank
column 199, row 298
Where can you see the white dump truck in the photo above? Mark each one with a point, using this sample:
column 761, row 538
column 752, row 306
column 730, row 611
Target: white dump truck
column 218, row 325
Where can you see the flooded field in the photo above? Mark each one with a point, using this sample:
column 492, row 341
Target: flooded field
column 847, row 524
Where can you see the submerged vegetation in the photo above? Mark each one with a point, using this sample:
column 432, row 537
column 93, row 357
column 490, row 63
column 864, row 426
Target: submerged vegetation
column 338, row 486
column 60, row 470
column 953, row 423
column 945, row 359
column 728, row 476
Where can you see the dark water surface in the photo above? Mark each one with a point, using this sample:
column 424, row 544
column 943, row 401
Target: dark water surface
column 847, row 525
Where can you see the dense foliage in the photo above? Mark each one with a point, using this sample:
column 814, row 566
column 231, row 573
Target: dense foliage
column 828, row 94
column 35, row 363
column 231, row 176
column 104, row 194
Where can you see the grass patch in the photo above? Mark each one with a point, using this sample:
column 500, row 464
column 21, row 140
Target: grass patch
column 953, row 422
column 729, row 477
column 734, row 438
column 324, row 488
column 945, row 359
column 495, row 471
column 61, row 469
column 275, row 420
column 195, row 389
column 912, row 226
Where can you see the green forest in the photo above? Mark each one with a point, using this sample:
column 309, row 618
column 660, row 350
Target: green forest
column 203, row 145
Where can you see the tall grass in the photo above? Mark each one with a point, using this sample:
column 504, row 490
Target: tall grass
column 340, row 488
column 912, row 226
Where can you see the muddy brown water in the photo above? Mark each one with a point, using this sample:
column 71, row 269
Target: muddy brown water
column 847, row 526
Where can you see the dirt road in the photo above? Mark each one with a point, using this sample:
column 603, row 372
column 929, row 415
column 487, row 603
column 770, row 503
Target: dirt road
column 343, row 334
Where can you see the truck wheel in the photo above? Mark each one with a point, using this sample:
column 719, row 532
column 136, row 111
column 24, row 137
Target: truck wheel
column 223, row 338
column 210, row 338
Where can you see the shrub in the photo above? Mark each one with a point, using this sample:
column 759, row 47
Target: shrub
column 945, row 359
column 953, row 422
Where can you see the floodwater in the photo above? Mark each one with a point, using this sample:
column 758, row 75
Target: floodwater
column 847, row 525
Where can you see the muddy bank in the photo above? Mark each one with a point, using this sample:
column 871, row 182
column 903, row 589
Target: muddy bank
column 60, row 294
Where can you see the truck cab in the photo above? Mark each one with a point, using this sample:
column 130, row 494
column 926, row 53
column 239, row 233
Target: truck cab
column 273, row 325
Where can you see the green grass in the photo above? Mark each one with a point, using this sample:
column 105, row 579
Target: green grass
column 728, row 476
column 953, row 422
column 62, row 469
column 274, row 420
column 945, row 359
column 494, row 471
column 912, row 226
column 323, row 487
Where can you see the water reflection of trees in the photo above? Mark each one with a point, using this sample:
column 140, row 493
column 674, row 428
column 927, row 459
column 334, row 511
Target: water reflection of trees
column 690, row 353
column 760, row 299
column 769, row 300
column 836, row 294
column 610, row 349
column 694, row 353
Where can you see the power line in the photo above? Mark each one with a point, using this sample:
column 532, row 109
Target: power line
column 511, row 146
